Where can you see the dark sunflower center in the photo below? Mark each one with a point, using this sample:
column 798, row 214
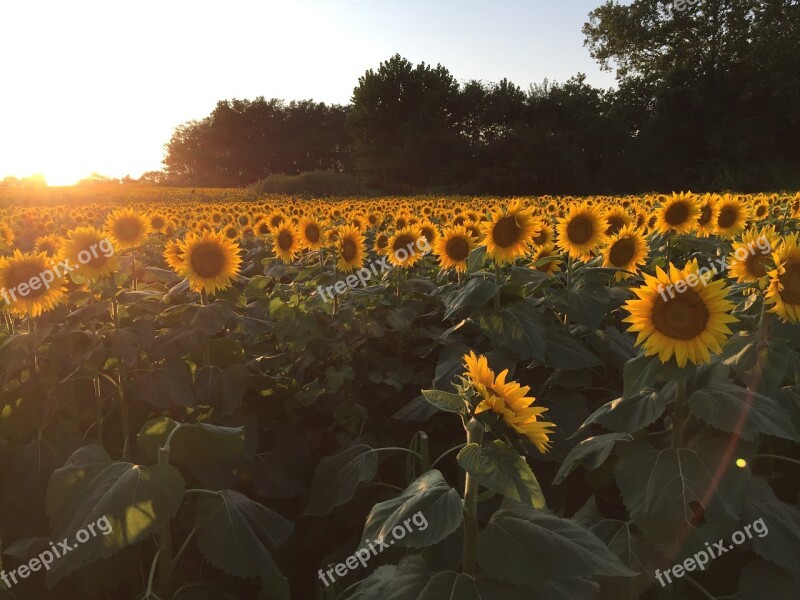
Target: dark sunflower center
column 580, row 230
column 428, row 233
column 208, row 260
column 128, row 229
column 96, row 262
column 263, row 229
column 727, row 216
column 402, row 242
column 285, row 240
column 683, row 317
column 676, row 214
column 790, row 281
column 542, row 238
column 614, row 225
column 506, row 232
column 312, row 233
column 622, row 252
column 761, row 210
column 705, row 215
column 24, row 273
column 275, row 221
column 757, row 265
column 349, row 250
column 157, row 222
column 457, row 249
column 383, row 241
column 47, row 248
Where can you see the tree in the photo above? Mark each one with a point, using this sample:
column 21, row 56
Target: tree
column 710, row 93
column 242, row 141
column 406, row 124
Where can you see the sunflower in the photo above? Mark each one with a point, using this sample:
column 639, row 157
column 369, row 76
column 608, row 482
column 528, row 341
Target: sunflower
column 751, row 257
column 616, row 218
column 158, row 222
column 232, row 232
column 29, row 285
column 549, row 267
column 6, row 236
column 429, row 231
column 350, row 249
column 49, row 244
column 87, row 247
column 707, row 221
column 172, row 255
column 453, row 248
column 403, row 248
column 209, row 261
column 311, row 233
column 581, row 231
column 545, row 234
column 509, row 400
column 286, row 241
column 784, row 285
column 685, row 324
column 732, row 216
column 275, row 219
column 261, row 228
column 678, row 214
column 127, row 228
column 626, row 250
column 509, row 233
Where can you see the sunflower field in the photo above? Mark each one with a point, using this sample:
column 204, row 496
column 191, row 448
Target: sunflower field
column 400, row 398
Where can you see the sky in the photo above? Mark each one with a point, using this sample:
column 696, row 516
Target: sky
column 99, row 86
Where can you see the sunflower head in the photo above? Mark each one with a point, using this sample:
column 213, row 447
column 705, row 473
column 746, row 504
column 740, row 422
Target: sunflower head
column 49, row 244
column 547, row 260
column 350, row 249
column 581, row 230
column 680, row 314
column 453, row 248
column 29, row 284
column 509, row 233
column 172, row 255
column 209, row 261
column 707, row 219
column 732, row 216
column 678, row 214
column 286, row 241
column 312, row 233
column 616, row 218
column 751, row 259
column 783, row 292
column 89, row 248
column 509, row 400
column 626, row 250
column 406, row 247
column 127, row 228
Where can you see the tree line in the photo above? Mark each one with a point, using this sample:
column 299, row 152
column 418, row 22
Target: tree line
column 707, row 97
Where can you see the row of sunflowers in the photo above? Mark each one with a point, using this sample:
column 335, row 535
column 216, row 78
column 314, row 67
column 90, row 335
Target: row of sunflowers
column 624, row 371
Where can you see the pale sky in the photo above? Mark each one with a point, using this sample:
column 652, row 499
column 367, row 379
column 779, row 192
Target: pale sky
column 100, row 85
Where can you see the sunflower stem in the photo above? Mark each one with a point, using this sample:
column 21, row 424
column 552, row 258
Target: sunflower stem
column 99, row 402
column 497, row 285
column 680, row 415
column 133, row 269
column 471, row 489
